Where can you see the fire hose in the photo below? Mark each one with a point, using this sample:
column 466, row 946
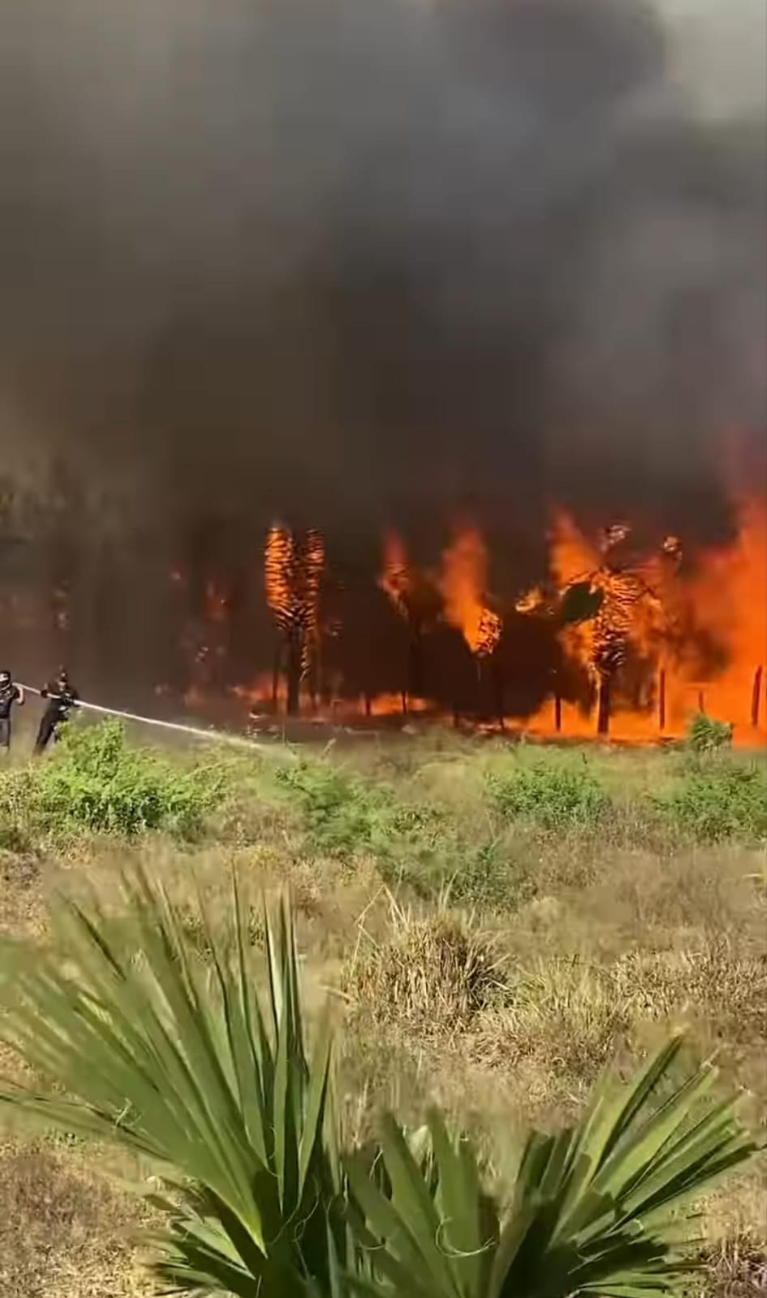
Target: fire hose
column 215, row 736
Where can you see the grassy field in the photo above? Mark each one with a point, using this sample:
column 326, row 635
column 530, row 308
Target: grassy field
column 492, row 923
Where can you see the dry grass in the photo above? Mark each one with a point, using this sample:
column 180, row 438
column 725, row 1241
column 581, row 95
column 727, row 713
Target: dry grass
column 432, row 975
column 736, row 1268
column 63, row 1233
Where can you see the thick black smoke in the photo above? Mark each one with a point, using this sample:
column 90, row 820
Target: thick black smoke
column 365, row 261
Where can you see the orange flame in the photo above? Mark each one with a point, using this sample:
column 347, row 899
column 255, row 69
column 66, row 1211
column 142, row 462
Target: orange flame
column 532, row 601
column 292, row 575
column 672, row 632
column 668, row 617
column 729, row 594
column 463, row 583
column 573, row 559
column 396, row 579
column 278, row 561
column 312, row 566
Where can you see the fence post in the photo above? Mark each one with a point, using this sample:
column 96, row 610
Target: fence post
column 756, row 697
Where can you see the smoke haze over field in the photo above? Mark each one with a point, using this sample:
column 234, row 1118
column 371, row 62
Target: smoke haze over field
column 363, row 261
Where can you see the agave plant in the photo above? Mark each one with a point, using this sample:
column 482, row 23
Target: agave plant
column 180, row 1061
column 593, row 1209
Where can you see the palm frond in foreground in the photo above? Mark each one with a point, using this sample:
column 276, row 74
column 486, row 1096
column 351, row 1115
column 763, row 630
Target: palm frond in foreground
column 178, row 1059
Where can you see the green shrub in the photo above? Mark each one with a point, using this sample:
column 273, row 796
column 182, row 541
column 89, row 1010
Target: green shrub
column 719, row 802
column 414, row 844
column 421, row 846
column 96, row 781
column 338, row 811
column 483, row 876
column 551, row 796
column 704, row 735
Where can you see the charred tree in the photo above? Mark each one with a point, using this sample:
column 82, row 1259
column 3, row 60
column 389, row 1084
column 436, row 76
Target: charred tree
column 603, row 703
column 415, row 683
column 293, row 672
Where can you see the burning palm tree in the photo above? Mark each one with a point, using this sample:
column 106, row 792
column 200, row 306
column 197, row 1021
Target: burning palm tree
column 293, row 567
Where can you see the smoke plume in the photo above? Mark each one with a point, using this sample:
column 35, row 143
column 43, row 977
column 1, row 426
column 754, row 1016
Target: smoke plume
column 360, row 262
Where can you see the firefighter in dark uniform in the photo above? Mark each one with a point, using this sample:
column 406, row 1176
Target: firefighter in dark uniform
column 10, row 693
column 62, row 697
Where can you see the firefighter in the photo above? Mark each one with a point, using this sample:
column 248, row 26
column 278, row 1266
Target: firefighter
column 10, row 693
column 62, row 697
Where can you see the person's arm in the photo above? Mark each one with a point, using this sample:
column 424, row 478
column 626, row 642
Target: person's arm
column 21, row 697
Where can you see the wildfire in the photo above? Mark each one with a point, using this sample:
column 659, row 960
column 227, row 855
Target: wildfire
column 396, row 579
column 532, row 601
column 636, row 640
column 293, row 567
column 727, row 592
column 312, row 566
column 665, row 618
column 462, row 583
column 278, row 565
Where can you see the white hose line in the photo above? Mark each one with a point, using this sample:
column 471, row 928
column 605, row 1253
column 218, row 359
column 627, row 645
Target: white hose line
column 216, row 736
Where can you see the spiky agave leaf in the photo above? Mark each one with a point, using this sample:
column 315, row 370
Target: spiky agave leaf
column 603, row 1199
column 175, row 1059
column 594, row 1209
column 429, row 1227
